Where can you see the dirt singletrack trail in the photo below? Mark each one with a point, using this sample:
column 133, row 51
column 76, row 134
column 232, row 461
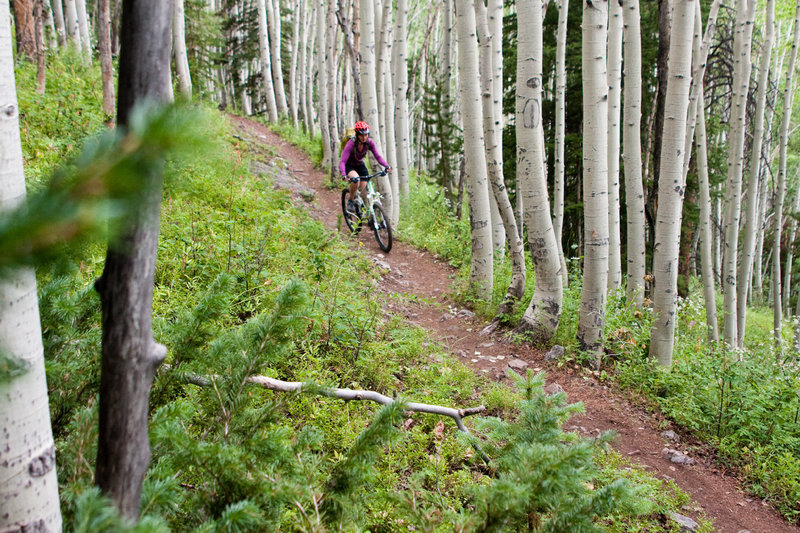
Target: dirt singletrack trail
column 719, row 495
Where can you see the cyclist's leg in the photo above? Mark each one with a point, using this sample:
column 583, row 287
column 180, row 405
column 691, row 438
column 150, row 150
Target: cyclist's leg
column 353, row 185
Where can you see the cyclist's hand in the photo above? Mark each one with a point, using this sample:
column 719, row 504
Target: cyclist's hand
column 388, row 169
column 344, row 177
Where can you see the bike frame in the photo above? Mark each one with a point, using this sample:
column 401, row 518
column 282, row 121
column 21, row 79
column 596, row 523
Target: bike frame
column 373, row 196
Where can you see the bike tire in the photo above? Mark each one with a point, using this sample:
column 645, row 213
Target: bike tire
column 352, row 220
column 382, row 229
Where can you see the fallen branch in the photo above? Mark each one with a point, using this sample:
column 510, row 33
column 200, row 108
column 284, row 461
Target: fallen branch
column 362, row 395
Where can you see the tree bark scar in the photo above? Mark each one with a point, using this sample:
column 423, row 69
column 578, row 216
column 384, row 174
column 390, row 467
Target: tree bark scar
column 43, row 463
column 9, row 111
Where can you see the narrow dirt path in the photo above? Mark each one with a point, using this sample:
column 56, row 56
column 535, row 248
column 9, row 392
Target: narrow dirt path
column 418, row 273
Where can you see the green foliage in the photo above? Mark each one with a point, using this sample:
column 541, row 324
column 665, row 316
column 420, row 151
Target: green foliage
column 246, row 284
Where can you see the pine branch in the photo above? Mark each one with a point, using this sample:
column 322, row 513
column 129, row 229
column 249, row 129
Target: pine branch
column 349, row 394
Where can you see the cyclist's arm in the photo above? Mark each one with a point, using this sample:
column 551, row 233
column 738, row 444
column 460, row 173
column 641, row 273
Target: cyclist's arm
column 345, row 156
column 381, row 161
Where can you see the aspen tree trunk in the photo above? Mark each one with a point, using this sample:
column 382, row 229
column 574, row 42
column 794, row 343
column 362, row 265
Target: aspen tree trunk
column 130, row 355
column 614, row 68
column 787, row 272
column 706, row 234
column 274, row 22
column 369, row 88
column 591, row 324
column 495, row 11
column 401, row 113
column 671, row 185
column 41, row 52
column 293, row 91
column 306, row 66
column 106, row 61
column 71, row 22
column 179, row 50
column 788, row 100
column 481, row 272
column 494, row 155
column 632, row 153
column 322, row 84
column 741, row 82
column 541, row 318
column 58, row 19
column 561, row 96
column 330, row 65
column 266, row 60
column 83, row 29
column 752, row 197
column 387, row 98
column 29, row 490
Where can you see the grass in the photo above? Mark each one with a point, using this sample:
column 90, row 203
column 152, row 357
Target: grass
column 236, row 257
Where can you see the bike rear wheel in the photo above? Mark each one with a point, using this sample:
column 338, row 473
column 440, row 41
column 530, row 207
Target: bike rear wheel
column 382, row 229
column 353, row 220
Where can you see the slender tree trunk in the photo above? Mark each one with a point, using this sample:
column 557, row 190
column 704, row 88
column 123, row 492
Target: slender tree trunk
column 560, row 137
column 83, row 30
column 179, row 50
column 614, row 60
column 322, row 84
column 130, row 355
column 752, row 198
column 29, row 490
column 541, row 318
column 733, row 188
column 274, row 22
column 632, row 153
column 351, row 47
column 25, row 28
column 591, row 323
column 106, row 62
column 58, row 19
column 671, row 184
column 706, row 234
column 330, row 86
column 494, row 155
column 787, row 272
column 71, row 21
column 369, row 86
column 293, row 91
column 481, row 273
column 41, row 52
column 266, row 60
column 788, row 100
column 400, row 76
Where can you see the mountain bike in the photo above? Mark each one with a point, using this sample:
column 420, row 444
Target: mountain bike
column 369, row 210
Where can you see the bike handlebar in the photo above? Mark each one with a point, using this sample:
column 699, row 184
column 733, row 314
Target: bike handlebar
column 365, row 178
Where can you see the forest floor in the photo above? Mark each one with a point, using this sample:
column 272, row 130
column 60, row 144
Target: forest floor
column 718, row 493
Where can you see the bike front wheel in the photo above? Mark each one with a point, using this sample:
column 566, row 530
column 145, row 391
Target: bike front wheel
column 353, row 220
column 382, row 229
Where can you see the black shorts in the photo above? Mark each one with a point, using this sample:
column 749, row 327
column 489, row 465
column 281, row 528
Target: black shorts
column 361, row 168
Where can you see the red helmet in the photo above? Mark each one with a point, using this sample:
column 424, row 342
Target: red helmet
column 361, row 127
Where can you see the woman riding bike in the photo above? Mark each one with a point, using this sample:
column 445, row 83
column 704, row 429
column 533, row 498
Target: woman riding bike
column 351, row 165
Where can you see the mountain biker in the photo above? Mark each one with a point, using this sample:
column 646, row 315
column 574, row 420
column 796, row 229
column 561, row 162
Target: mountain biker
column 351, row 165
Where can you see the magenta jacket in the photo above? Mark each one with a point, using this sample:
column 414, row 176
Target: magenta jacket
column 353, row 156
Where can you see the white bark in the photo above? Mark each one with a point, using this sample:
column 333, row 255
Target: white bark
column 386, row 99
column 542, row 316
column 71, row 23
column 752, row 197
column 29, row 487
column 294, row 100
column 614, row 62
column 561, row 95
column 58, row 18
column 741, row 82
column 671, row 185
column 83, row 30
column 787, row 272
column 591, row 324
column 481, row 272
column 788, row 100
column 706, row 233
column 179, row 50
column 494, row 155
column 400, row 84
column 369, row 89
column 632, row 153
column 274, row 23
column 266, row 60
column 306, row 65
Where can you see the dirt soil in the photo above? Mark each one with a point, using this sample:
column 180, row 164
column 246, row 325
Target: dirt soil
column 717, row 493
